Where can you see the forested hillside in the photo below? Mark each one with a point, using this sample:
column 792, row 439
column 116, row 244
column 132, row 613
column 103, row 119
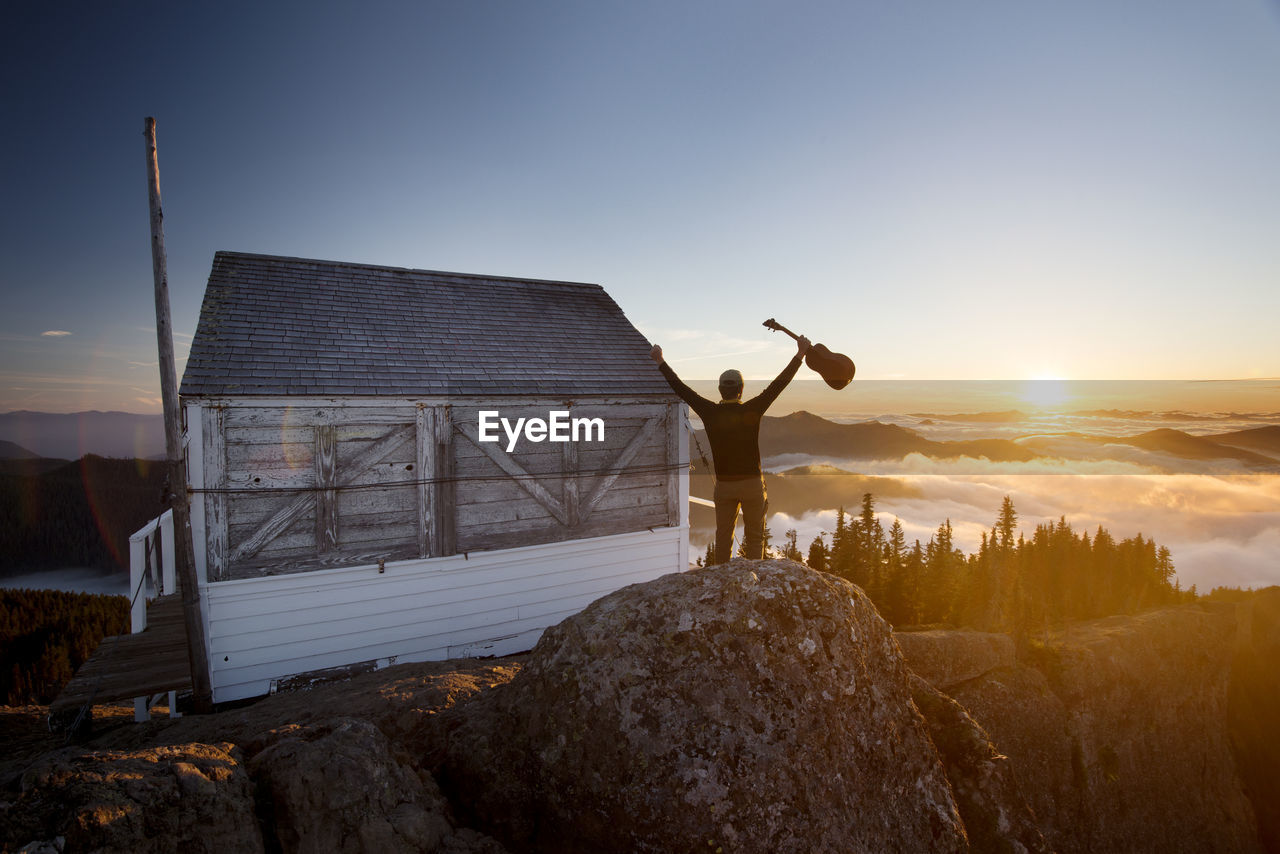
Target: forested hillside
column 45, row 635
column 78, row 514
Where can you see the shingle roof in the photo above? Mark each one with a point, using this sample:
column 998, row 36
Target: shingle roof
column 292, row 326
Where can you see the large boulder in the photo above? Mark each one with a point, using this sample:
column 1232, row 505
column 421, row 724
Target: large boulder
column 756, row 706
column 189, row 797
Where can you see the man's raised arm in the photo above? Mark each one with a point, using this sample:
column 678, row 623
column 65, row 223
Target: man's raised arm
column 766, row 398
column 688, row 395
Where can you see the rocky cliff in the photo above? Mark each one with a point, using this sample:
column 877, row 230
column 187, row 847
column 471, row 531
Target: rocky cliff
column 1253, row 707
column 1117, row 730
column 758, row 706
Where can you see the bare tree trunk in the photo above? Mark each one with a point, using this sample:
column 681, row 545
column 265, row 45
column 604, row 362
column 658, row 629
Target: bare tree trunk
column 198, row 655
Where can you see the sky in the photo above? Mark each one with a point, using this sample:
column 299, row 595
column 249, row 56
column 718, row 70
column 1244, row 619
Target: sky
column 944, row 191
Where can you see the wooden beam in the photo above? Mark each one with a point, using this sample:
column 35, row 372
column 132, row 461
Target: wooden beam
column 326, row 466
column 215, row 502
column 446, row 511
column 426, row 470
column 344, row 474
column 675, row 435
column 184, row 551
column 620, row 462
column 523, row 479
column 570, row 488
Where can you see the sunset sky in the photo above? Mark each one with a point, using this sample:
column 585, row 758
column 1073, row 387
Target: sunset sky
column 1088, row 190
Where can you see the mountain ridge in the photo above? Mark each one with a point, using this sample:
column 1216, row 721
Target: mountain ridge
column 71, row 435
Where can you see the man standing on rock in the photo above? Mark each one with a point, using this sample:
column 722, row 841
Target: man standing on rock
column 733, row 428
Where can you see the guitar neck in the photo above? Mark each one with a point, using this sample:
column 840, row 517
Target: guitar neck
column 775, row 325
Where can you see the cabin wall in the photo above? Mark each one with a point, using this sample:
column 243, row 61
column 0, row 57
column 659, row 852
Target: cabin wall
column 314, row 485
column 488, row 603
column 546, row 492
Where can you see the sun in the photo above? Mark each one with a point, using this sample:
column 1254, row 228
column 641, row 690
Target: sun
column 1046, row 392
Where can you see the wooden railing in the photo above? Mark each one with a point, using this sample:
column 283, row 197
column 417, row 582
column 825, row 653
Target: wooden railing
column 151, row 560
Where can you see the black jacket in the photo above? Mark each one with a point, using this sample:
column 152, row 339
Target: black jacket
column 733, row 426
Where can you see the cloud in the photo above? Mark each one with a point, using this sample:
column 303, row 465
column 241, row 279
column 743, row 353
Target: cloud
column 1086, row 459
column 55, row 333
column 916, row 463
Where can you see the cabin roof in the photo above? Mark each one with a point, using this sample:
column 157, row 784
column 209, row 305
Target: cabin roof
column 272, row 325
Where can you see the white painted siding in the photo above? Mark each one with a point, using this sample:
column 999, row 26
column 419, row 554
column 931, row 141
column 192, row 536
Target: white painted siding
column 487, row 603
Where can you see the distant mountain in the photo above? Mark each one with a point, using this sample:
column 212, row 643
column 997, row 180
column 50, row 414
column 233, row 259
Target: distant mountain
column 1144, row 415
column 12, row 451
column 1191, row 447
column 812, row 435
column 72, row 435
column 1263, row 439
column 1008, row 416
column 15, row 459
column 806, row 433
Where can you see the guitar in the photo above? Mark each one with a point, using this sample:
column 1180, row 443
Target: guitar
column 835, row 368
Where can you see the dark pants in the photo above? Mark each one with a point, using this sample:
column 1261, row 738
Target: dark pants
column 750, row 495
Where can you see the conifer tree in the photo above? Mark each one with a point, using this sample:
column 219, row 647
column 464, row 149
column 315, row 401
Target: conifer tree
column 896, row 594
column 841, row 553
column 817, row 558
column 790, row 550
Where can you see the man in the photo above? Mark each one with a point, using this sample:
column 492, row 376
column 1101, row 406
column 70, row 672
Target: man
column 733, row 428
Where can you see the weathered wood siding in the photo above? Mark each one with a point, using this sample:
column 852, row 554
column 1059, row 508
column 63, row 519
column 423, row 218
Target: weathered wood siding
column 487, row 603
column 545, row 492
column 306, row 487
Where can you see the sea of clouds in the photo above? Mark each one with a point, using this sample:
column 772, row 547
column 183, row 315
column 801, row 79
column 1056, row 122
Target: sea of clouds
column 1223, row 530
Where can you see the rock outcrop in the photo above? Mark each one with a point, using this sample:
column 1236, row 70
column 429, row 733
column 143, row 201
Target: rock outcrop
column 757, row 706
column 283, row 774
column 339, row 788
column 947, row 658
column 1118, row 734
column 192, row 797
column 996, row 817
column 1253, row 708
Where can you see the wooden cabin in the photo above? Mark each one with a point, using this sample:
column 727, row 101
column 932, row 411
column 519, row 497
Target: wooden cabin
column 357, row 499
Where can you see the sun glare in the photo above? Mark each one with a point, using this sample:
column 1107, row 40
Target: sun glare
column 1046, row 392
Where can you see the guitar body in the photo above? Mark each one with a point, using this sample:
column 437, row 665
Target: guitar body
column 836, row 369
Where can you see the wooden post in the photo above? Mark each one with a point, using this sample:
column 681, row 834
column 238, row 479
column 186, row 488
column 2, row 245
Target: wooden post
column 326, row 465
column 197, row 652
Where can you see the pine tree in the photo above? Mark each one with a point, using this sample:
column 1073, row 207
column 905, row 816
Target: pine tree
column 818, row 555
column 896, row 595
column 790, row 550
column 841, row 553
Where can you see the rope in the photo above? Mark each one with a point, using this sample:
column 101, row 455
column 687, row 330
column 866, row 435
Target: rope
column 258, row 490
column 705, row 464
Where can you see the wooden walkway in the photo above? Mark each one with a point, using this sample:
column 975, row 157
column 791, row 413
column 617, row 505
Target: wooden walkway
column 150, row 662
